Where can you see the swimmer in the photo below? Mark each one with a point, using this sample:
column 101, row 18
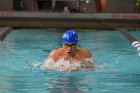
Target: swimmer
column 70, row 57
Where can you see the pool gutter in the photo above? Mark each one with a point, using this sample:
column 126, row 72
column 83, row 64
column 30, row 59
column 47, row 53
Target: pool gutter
column 69, row 20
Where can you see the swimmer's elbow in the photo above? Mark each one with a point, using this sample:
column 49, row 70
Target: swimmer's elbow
column 46, row 66
column 89, row 65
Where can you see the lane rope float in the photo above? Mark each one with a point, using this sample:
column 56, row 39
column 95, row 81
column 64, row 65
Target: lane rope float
column 135, row 43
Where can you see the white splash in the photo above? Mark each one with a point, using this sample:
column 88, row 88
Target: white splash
column 36, row 64
column 65, row 65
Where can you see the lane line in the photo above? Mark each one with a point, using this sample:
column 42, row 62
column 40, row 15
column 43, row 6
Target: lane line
column 135, row 43
column 4, row 33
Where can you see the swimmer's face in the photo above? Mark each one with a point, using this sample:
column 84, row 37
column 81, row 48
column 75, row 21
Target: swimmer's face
column 70, row 47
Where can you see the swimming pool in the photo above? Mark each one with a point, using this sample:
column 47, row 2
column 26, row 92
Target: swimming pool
column 116, row 71
column 136, row 34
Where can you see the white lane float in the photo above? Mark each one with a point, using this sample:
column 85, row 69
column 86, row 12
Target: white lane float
column 136, row 44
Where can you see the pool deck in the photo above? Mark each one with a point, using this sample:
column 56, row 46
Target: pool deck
column 69, row 20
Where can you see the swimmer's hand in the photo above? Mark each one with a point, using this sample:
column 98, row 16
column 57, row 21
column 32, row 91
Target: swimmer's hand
column 63, row 68
column 74, row 69
column 88, row 65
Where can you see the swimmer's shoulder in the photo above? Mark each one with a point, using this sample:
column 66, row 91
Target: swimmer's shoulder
column 56, row 51
column 55, row 54
column 85, row 52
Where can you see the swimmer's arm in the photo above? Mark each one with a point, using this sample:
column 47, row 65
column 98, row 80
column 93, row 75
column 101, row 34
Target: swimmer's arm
column 88, row 64
column 50, row 61
column 53, row 55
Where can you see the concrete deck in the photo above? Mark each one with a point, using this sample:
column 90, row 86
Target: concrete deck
column 69, row 20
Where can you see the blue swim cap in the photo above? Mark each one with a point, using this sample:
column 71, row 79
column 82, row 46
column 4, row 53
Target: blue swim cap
column 70, row 36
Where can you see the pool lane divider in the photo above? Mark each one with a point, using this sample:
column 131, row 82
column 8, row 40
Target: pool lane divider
column 135, row 43
column 4, row 33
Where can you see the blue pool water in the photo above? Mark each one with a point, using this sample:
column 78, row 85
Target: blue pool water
column 117, row 67
column 136, row 34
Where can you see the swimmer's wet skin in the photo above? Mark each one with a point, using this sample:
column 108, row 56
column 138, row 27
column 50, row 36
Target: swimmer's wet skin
column 69, row 57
